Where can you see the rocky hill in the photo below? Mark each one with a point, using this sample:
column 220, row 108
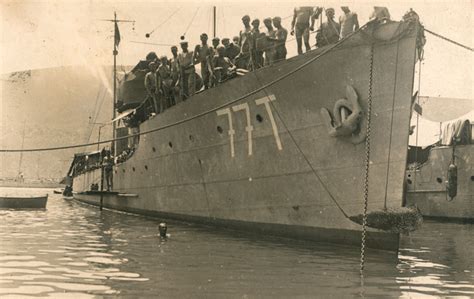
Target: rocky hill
column 51, row 107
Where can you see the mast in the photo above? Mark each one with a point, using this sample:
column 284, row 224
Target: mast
column 115, row 84
column 214, row 21
column 115, row 53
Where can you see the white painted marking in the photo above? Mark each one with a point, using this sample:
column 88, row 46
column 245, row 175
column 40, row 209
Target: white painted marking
column 266, row 101
column 249, row 127
column 231, row 128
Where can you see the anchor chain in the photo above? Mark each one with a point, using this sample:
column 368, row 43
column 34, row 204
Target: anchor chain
column 367, row 165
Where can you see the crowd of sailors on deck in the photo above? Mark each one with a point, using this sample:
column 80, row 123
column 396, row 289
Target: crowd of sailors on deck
column 170, row 81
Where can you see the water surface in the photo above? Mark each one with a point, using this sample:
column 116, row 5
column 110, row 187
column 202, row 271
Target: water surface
column 75, row 251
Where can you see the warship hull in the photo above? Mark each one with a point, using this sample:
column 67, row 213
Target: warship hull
column 257, row 153
column 426, row 186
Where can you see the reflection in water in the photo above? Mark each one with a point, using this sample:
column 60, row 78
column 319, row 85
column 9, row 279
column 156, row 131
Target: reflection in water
column 75, row 251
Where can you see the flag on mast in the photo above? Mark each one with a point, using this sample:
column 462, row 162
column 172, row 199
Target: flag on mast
column 117, row 35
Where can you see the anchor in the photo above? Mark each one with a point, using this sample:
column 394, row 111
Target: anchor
column 346, row 118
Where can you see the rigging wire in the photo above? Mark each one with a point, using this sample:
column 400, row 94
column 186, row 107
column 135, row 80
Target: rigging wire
column 391, row 129
column 190, row 23
column 303, row 65
column 330, row 48
column 94, row 113
column 417, row 121
column 303, row 154
column 449, row 40
column 162, row 23
column 148, row 43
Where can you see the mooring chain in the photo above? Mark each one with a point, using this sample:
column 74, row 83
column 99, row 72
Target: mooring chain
column 367, row 165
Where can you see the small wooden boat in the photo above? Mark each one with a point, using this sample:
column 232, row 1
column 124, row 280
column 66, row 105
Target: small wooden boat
column 28, row 202
column 58, row 191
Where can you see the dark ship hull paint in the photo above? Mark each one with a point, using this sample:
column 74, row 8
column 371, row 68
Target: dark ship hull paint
column 37, row 202
column 426, row 187
column 228, row 168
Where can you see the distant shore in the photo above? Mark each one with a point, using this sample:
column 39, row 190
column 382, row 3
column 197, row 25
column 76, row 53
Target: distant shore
column 29, row 184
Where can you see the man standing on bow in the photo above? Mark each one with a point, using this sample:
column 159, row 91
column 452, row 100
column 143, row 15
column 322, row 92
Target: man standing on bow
column 348, row 22
column 280, row 39
column 269, row 48
column 256, row 54
column 300, row 26
column 328, row 33
column 174, row 69
column 243, row 59
column 186, row 71
column 201, row 55
column 151, row 86
column 380, row 14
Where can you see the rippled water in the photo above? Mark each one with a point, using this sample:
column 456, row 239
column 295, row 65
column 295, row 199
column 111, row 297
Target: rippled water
column 75, row 251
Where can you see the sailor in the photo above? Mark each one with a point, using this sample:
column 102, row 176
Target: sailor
column 243, row 59
column 174, row 68
column 212, row 54
column 150, row 86
column 223, row 68
column 300, row 25
column 151, row 57
column 328, row 33
column 269, row 48
column 236, row 41
column 281, row 35
column 348, row 22
column 201, row 55
column 165, row 82
column 186, row 72
column 380, row 14
column 107, row 163
column 231, row 50
column 215, row 43
column 256, row 54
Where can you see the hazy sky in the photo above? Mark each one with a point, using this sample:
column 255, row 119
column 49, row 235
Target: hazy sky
column 38, row 34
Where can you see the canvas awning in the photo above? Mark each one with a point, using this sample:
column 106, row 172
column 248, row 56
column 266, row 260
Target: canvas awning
column 440, row 109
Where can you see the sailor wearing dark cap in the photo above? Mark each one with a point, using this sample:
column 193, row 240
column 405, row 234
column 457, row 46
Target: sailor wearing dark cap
column 215, row 42
column 256, row 55
column 280, row 39
column 242, row 60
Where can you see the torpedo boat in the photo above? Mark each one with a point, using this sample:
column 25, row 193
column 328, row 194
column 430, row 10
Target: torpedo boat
column 301, row 148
